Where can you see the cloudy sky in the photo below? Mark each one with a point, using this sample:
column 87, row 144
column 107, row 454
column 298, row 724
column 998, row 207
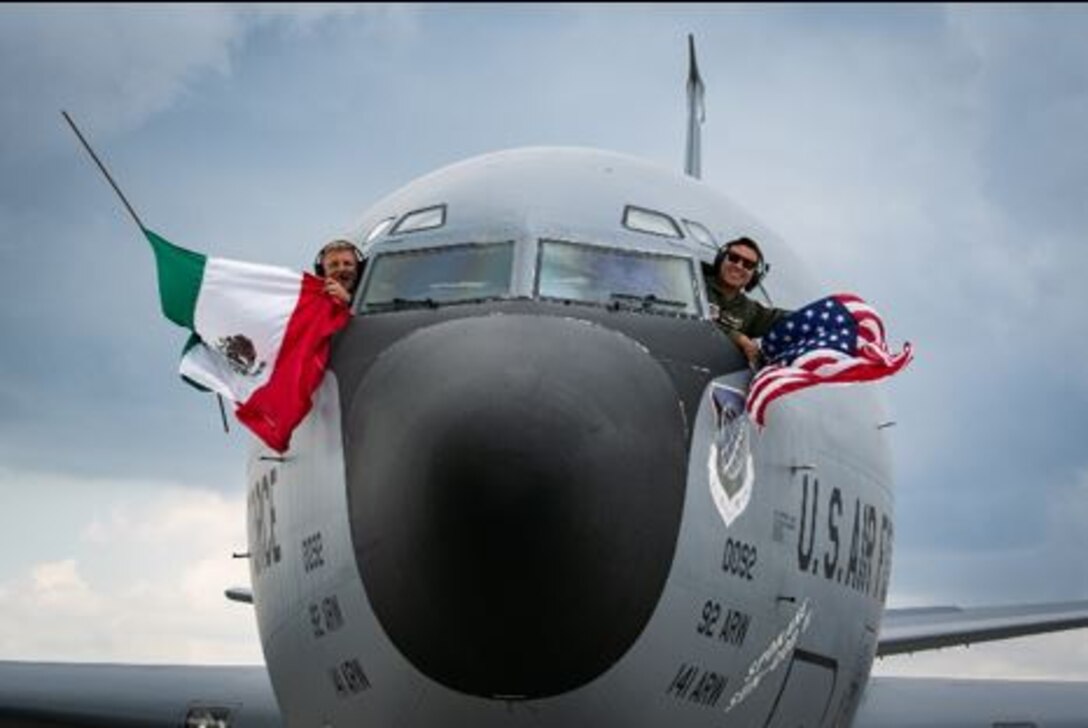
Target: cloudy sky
column 931, row 158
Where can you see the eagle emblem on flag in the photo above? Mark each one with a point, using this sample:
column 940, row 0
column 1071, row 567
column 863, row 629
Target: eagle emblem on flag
column 729, row 464
column 241, row 354
column 835, row 340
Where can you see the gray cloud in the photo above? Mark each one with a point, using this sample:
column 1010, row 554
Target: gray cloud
column 114, row 66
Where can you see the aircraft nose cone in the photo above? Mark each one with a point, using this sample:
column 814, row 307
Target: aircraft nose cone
column 515, row 488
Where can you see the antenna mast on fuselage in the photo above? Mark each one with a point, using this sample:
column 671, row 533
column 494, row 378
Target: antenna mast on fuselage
column 696, row 115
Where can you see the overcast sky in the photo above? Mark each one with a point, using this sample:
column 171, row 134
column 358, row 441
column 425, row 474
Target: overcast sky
column 931, row 158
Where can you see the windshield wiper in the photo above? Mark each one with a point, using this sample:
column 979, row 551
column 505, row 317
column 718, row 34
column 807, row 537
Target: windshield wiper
column 647, row 301
column 401, row 303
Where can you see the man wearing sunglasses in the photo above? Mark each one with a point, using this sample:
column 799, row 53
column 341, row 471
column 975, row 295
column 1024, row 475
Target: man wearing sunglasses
column 738, row 269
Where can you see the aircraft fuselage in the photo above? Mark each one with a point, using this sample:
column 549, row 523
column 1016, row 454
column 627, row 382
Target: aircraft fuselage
column 526, row 494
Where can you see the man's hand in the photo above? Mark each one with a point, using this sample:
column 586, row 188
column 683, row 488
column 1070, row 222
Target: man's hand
column 749, row 348
column 335, row 289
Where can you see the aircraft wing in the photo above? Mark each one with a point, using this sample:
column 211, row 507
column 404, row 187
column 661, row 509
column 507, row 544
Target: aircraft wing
column 54, row 694
column 907, row 702
column 913, row 630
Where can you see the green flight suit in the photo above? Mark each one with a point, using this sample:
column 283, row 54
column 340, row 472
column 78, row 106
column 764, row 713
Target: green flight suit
column 741, row 314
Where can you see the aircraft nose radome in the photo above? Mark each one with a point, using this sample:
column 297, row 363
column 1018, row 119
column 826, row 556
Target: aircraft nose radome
column 515, row 487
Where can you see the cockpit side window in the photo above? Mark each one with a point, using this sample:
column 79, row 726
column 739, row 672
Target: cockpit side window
column 436, row 276
column 703, row 236
column 650, row 221
column 627, row 279
column 378, row 229
column 426, row 218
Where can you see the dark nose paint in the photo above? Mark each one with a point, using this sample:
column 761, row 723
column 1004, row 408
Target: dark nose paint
column 515, row 487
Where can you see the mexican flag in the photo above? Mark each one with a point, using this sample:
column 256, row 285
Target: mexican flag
column 261, row 334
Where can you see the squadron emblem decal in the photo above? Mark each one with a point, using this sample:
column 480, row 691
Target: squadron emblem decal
column 730, row 463
column 240, row 354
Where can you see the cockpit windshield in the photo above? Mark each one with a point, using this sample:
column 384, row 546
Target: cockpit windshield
column 621, row 278
column 434, row 276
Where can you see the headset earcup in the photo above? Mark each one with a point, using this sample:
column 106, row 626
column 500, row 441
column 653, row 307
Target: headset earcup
column 761, row 272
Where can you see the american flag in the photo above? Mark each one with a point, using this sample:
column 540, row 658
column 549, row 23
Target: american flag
column 837, row 339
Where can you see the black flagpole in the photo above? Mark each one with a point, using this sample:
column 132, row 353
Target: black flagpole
column 135, row 218
column 104, row 171
column 222, row 411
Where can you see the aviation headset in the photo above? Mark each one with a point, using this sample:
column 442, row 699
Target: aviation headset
column 762, row 267
column 319, row 267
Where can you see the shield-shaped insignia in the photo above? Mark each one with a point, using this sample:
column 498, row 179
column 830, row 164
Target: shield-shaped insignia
column 729, row 465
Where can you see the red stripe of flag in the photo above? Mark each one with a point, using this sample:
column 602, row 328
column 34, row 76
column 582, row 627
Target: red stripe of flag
column 275, row 409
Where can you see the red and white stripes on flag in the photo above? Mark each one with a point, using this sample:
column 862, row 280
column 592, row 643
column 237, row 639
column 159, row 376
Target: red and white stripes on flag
column 835, row 340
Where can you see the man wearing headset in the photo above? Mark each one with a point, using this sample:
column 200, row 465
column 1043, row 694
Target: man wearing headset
column 340, row 263
column 738, row 268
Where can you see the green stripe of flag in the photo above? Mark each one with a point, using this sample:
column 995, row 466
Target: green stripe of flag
column 180, row 274
column 193, row 342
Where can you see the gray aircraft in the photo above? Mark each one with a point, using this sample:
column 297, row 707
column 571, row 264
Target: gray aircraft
column 528, row 495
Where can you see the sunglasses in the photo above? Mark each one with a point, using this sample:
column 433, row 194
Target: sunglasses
column 746, row 263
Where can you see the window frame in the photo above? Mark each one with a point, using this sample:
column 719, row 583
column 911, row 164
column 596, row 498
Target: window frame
column 360, row 303
column 397, row 230
column 676, row 226
column 382, row 227
column 697, row 299
column 688, row 224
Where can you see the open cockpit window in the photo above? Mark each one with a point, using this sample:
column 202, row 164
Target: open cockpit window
column 759, row 293
column 623, row 279
column 427, row 218
column 435, row 276
column 650, row 221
